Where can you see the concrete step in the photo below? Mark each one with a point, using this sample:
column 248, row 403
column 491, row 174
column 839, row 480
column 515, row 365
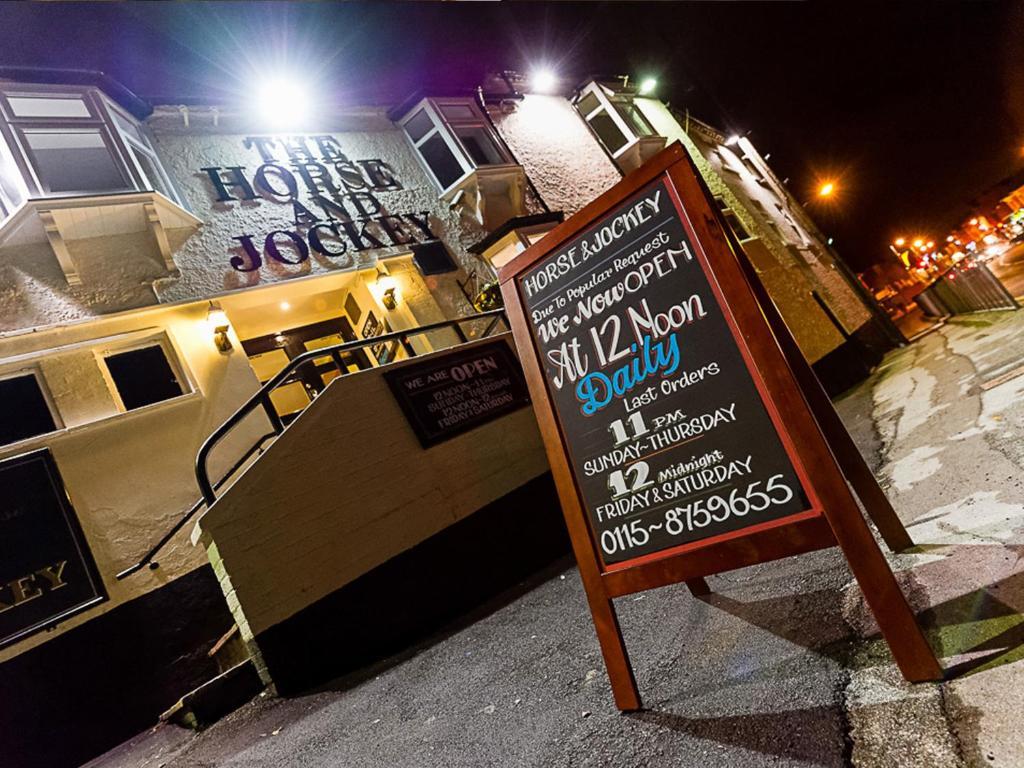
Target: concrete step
column 216, row 698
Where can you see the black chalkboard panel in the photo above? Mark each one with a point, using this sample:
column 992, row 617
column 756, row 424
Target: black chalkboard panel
column 46, row 570
column 669, row 438
column 453, row 393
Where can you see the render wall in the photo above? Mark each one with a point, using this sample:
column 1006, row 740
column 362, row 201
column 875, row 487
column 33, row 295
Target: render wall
column 325, row 505
column 130, row 475
column 205, row 259
column 789, row 279
column 551, row 141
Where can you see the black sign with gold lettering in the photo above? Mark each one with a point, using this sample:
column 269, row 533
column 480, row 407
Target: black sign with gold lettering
column 447, row 395
column 46, row 570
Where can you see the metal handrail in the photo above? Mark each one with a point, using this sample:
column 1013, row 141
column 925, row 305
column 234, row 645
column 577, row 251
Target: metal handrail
column 147, row 559
column 262, row 397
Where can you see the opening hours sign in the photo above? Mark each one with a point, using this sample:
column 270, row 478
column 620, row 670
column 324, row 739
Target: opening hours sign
column 686, row 434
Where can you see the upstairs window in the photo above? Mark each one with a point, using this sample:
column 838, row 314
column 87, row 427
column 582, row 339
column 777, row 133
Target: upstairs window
column 27, row 410
column 65, row 141
column 732, row 220
column 617, row 122
column 453, row 139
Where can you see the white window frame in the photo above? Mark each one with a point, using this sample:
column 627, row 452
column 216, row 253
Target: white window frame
column 120, row 143
column 726, row 210
column 606, row 99
column 51, row 404
column 447, row 128
column 161, row 339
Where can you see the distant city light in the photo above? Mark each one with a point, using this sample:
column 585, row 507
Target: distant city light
column 647, row 86
column 931, row 244
column 949, row 238
column 826, row 189
column 543, row 80
column 829, row 241
column 283, row 102
column 900, row 242
column 918, row 243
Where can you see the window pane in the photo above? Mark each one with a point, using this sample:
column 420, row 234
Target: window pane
column 74, row 161
column 126, row 126
column 608, row 132
column 480, row 146
column 588, row 104
column 45, row 106
column 632, row 117
column 143, row 376
column 11, row 193
column 419, row 126
column 458, row 112
column 26, row 413
column 154, row 178
column 440, row 159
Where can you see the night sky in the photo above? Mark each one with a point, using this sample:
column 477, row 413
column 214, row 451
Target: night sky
column 913, row 109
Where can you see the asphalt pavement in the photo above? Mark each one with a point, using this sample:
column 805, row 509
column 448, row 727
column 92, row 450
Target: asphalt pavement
column 781, row 666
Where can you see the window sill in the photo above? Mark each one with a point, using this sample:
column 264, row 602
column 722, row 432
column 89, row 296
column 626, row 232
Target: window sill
column 490, row 194
column 57, row 220
column 39, row 441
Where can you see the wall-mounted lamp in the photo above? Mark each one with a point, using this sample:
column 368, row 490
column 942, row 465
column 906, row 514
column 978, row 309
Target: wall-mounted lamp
column 388, row 288
column 217, row 321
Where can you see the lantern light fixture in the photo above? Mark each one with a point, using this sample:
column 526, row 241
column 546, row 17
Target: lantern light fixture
column 218, row 323
column 388, row 288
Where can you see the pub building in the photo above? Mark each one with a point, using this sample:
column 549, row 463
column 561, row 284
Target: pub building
column 160, row 263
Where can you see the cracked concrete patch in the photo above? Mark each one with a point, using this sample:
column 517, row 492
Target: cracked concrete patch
column 919, row 465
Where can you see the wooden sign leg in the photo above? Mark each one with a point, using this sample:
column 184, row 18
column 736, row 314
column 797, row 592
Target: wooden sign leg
column 613, row 648
column 847, row 455
column 855, row 469
column 698, row 587
column 899, row 626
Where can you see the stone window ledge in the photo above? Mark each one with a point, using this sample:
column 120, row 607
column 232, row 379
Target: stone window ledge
column 59, row 220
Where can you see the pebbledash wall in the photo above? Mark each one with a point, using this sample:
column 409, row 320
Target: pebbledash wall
column 213, row 207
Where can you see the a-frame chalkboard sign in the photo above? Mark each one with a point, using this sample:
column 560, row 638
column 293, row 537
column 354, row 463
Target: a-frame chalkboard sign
column 686, row 434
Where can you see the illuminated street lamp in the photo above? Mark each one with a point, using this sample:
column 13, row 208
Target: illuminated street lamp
column 283, row 102
column 899, row 242
column 543, row 80
column 647, row 86
column 826, row 189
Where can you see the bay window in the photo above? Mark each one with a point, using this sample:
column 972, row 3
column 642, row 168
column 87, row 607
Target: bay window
column 453, row 139
column 465, row 158
column 618, row 124
column 65, row 140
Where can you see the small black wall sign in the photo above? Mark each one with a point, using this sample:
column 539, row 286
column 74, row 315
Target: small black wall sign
column 451, row 394
column 47, row 573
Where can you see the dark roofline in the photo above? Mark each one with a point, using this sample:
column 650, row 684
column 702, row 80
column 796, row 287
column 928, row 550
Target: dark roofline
column 90, row 77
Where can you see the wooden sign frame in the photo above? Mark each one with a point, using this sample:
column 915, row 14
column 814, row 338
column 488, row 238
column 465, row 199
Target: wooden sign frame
column 823, row 454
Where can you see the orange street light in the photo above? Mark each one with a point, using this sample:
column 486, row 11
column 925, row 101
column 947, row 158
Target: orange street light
column 826, row 189
column 918, row 243
column 899, row 242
